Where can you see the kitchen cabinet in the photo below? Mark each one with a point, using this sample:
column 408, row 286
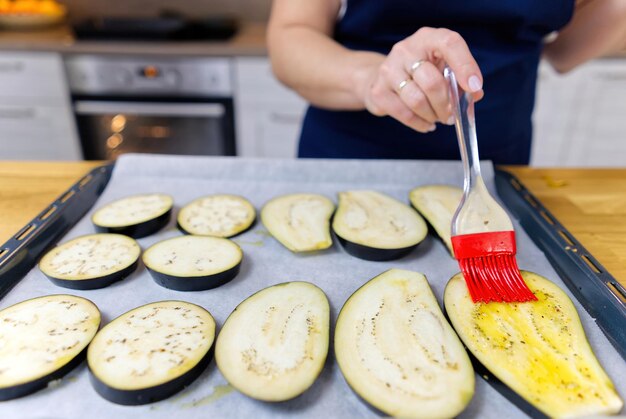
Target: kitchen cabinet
column 268, row 115
column 36, row 119
column 579, row 117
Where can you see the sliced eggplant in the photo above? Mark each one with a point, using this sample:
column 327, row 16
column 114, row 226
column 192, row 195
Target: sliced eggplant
column 92, row 261
column 217, row 216
column 151, row 352
column 134, row 216
column 374, row 226
column 43, row 339
column 397, row 351
column 300, row 222
column 274, row 344
column 438, row 203
column 538, row 349
column 193, row 263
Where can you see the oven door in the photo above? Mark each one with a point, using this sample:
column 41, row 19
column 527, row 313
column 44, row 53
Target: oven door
column 109, row 128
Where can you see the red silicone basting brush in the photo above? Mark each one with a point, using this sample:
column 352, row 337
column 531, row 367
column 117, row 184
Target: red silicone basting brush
column 483, row 238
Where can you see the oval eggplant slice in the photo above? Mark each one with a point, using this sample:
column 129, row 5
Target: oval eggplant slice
column 300, row 222
column 374, row 226
column 217, row 216
column 538, row 349
column 274, row 344
column 134, row 216
column 193, row 263
column 438, row 203
column 92, row 261
column 397, row 351
column 151, row 352
column 43, row 339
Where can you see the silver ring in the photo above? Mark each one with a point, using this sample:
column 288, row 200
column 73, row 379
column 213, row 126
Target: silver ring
column 416, row 65
column 403, row 84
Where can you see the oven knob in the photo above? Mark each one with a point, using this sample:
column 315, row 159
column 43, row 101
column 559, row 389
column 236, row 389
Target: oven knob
column 172, row 77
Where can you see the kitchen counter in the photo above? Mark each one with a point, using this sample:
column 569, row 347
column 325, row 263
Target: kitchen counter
column 591, row 203
column 248, row 41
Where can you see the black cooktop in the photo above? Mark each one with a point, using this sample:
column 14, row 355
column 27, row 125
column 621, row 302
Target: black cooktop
column 165, row 28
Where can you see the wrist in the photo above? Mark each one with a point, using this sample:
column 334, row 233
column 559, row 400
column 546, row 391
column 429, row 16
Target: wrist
column 362, row 73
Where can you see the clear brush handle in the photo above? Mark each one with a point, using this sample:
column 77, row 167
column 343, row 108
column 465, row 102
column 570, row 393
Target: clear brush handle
column 463, row 111
column 478, row 212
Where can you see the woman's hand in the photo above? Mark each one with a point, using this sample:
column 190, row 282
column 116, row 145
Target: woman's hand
column 408, row 84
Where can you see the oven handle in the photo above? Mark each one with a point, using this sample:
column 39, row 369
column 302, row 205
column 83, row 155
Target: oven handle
column 96, row 107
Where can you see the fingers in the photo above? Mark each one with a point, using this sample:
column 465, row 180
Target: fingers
column 429, row 80
column 409, row 92
column 409, row 85
column 446, row 45
column 384, row 101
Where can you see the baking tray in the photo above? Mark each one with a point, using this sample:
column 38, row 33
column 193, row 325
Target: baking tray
column 20, row 254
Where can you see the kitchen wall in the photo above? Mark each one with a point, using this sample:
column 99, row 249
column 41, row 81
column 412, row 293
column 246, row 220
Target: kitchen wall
column 255, row 10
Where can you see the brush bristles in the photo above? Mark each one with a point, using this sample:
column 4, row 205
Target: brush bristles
column 495, row 278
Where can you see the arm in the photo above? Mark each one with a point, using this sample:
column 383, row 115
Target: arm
column 306, row 58
column 597, row 28
column 301, row 49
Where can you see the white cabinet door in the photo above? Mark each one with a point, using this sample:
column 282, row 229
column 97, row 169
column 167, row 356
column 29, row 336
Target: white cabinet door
column 36, row 118
column 269, row 131
column 36, row 133
column 580, row 117
column 267, row 114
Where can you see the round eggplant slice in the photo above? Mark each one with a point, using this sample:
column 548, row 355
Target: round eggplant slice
column 151, row 352
column 193, row 263
column 438, row 203
column 134, row 216
column 274, row 344
column 300, row 222
column 90, row 262
column 538, row 349
column 397, row 351
column 217, row 216
column 43, row 339
column 374, row 226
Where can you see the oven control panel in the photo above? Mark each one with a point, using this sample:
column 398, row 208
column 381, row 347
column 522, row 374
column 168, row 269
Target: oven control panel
column 159, row 76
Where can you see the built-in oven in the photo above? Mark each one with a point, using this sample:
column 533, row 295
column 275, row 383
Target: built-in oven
column 163, row 105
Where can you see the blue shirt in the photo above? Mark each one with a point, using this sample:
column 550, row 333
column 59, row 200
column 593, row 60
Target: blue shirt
column 504, row 36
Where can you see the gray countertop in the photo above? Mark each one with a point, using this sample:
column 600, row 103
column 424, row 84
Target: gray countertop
column 248, row 41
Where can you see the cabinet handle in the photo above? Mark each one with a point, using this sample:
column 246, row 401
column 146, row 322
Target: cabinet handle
column 285, row 118
column 17, row 113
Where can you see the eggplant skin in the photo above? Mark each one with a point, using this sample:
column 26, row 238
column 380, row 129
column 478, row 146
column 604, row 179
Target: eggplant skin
column 10, row 393
column 536, row 351
column 194, row 283
column 151, row 352
column 193, row 263
column 139, row 230
column 91, row 261
column 151, row 394
column 94, row 283
column 32, row 386
column 373, row 226
column 373, row 253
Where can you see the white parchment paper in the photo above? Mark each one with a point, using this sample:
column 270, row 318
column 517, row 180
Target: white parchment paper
column 265, row 263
